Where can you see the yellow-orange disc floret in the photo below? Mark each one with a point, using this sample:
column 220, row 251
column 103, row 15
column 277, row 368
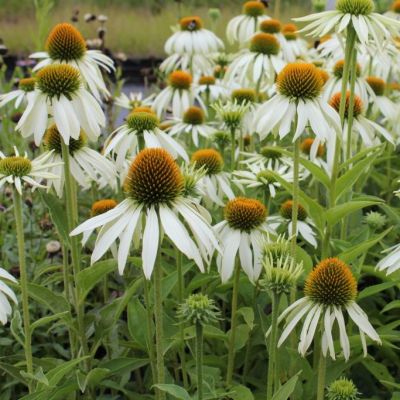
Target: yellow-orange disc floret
column 65, row 43
column 264, row 43
column 270, row 26
column 15, row 166
column 208, row 159
column 180, row 80
column 245, row 214
column 207, row 80
column 331, row 283
column 253, row 8
column 358, row 104
column 102, row 206
column 154, row 178
column 300, row 80
column 52, row 141
column 286, row 211
column 306, row 144
column 191, row 23
column 194, row 116
column 378, row 85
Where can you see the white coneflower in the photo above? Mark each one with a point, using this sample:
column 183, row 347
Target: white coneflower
column 211, row 88
column 269, row 157
column 258, row 64
column 141, row 124
column 65, row 44
column 86, row 165
column 362, row 125
column 391, row 262
column 259, row 177
column 133, row 100
column 241, row 232
column 330, row 291
column 192, row 123
column 369, row 26
column 242, row 27
column 179, row 95
column 334, row 83
column 17, row 170
column 190, row 47
column 304, row 224
column 5, row 294
column 293, row 47
column 215, row 183
column 299, row 87
column 59, row 92
column 378, row 100
column 331, row 48
column 154, row 187
column 19, row 96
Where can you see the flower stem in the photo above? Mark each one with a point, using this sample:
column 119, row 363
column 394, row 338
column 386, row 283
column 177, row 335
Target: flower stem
column 272, row 382
column 295, row 196
column 181, row 285
column 199, row 359
column 72, row 216
column 233, row 136
column 232, row 339
column 321, row 377
column 24, row 283
column 158, row 317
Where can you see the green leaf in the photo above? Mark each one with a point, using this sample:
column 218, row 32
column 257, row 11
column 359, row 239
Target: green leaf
column 94, row 377
column 287, row 389
column 240, row 392
column 356, row 250
column 119, row 366
column 378, row 370
column 89, row 277
column 56, row 374
column 176, row 391
column 47, row 320
column 241, row 337
column 372, row 290
column 137, row 325
column 335, row 214
column 16, row 328
column 39, row 376
column 346, row 181
column 13, row 371
column 54, row 302
column 248, row 316
column 391, row 306
column 57, row 214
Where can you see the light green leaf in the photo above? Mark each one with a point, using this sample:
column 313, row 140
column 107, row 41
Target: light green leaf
column 56, row 374
column 54, row 302
column 47, row 320
column 94, row 377
column 39, row 376
column 240, row 392
column 248, row 316
column 137, row 326
column 89, row 277
column 119, row 366
column 176, row 391
column 391, row 306
column 287, row 389
column 361, row 248
column 372, row 290
column 335, row 214
column 16, row 328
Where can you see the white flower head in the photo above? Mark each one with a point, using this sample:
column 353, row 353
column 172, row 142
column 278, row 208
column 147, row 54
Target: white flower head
column 192, row 123
column 141, row 123
column 19, row 96
column 65, row 44
column 6, row 294
column 330, row 291
column 298, row 102
column 242, row 27
column 155, row 201
column 179, row 95
column 369, row 26
column 59, row 92
column 16, row 170
column 86, row 164
column 241, row 232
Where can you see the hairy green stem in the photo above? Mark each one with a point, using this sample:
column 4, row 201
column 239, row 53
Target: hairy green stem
column 272, row 382
column 72, row 217
column 232, row 338
column 321, row 377
column 199, row 360
column 233, row 136
column 158, row 317
column 24, row 283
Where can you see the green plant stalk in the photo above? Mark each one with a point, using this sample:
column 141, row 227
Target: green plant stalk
column 295, row 196
column 272, row 382
column 350, row 119
column 72, row 216
column 321, row 377
column 149, row 320
column 233, row 135
column 158, row 317
column 350, row 43
column 24, row 283
column 199, row 359
column 232, row 339
column 181, row 285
